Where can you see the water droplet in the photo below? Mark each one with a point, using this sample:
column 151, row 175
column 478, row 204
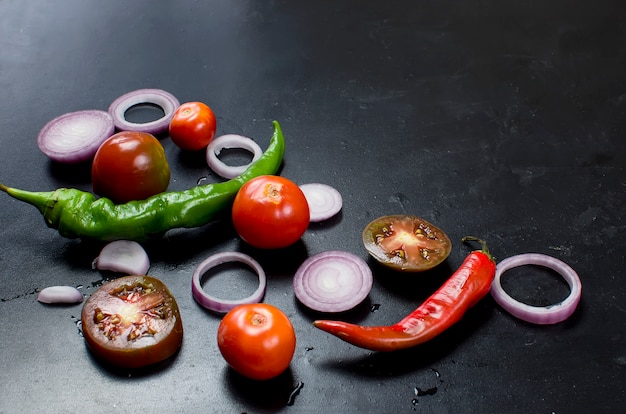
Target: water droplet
column 79, row 325
column 292, row 397
column 375, row 307
column 427, row 391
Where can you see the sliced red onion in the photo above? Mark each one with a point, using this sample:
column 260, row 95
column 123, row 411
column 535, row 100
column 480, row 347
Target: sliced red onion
column 76, row 136
column 537, row 314
column 60, row 294
column 224, row 305
column 123, row 256
column 324, row 201
column 332, row 281
column 230, row 141
column 161, row 98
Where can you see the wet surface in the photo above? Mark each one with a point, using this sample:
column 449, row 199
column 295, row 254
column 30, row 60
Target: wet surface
column 499, row 119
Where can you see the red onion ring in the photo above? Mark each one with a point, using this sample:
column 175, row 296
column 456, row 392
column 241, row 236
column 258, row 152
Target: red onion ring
column 161, row 98
column 230, row 141
column 76, row 136
column 224, row 305
column 537, row 314
column 332, row 281
column 60, row 294
column 123, row 256
column 324, row 201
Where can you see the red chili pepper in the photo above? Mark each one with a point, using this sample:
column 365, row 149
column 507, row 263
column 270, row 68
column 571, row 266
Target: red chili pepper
column 469, row 284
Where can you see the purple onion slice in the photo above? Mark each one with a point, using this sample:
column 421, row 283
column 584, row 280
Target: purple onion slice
column 158, row 97
column 227, row 142
column 332, row 281
column 224, row 305
column 537, row 314
column 76, row 136
column 324, row 201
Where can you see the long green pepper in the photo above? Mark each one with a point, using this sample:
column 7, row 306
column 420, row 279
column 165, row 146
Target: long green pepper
column 75, row 213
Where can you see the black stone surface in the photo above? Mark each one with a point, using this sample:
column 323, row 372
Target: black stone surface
column 500, row 119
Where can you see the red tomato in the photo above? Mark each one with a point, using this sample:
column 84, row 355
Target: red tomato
column 257, row 340
column 132, row 321
column 193, row 126
column 270, row 212
column 130, row 166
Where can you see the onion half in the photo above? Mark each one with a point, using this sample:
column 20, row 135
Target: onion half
column 161, row 98
column 224, row 305
column 537, row 314
column 332, row 281
column 123, row 256
column 324, row 201
column 76, row 136
column 230, row 141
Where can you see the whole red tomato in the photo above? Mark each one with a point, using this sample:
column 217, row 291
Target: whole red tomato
column 270, row 212
column 193, row 126
column 257, row 340
column 130, row 166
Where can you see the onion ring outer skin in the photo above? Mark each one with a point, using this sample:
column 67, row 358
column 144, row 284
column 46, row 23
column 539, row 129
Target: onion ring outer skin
column 230, row 141
column 161, row 98
column 539, row 315
column 224, row 305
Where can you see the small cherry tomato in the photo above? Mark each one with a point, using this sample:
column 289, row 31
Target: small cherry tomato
column 270, row 212
column 407, row 243
column 193, row 126
column 132, row 322
column 257, row 340
column 130, row 166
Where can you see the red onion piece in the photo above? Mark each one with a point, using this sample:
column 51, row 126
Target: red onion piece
column 537, row 314
column 224, row 305
column 230, row 141
column 332, row 281
column 123, row 256
column 60, row 294
column 324, row 201
column 76, row 136
column 161, row 98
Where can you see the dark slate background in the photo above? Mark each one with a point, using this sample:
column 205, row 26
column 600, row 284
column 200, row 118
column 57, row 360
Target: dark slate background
column 500, row 119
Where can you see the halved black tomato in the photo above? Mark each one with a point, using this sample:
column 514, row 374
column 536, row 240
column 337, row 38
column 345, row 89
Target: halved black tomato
column 406, row 243
column 132, row 322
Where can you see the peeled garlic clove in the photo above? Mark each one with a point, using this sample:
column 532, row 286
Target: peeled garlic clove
column 60, row 294
column 123, row 256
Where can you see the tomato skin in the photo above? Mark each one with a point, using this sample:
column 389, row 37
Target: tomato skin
column 193, row 126
column 148, row 327
column 270, row 212
column 130, row 166
column 257, row 340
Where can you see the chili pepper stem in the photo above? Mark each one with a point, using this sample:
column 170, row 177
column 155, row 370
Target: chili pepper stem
column 483, row 245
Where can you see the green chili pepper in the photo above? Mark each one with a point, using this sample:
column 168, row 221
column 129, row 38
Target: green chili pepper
column 75, row 213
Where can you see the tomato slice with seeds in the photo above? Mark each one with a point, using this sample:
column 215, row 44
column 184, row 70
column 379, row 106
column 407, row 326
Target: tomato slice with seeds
column 406, row 243
column 132, row 322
